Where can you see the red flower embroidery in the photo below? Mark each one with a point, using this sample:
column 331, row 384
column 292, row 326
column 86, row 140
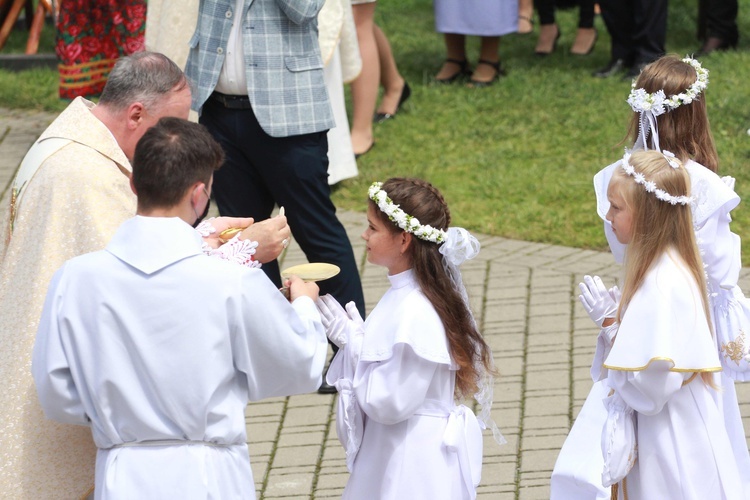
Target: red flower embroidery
column 69, row 52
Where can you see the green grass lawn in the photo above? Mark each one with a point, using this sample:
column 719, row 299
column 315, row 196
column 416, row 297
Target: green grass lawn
column 515, row 159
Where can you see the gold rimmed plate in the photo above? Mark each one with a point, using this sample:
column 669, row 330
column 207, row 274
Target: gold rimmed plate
column 314, row 271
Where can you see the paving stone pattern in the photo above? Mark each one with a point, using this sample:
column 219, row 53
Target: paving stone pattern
column 525, row 298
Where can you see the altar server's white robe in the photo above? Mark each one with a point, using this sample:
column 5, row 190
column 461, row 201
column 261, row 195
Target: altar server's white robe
column 151, row 340
column 404, row 436
column 684, row 449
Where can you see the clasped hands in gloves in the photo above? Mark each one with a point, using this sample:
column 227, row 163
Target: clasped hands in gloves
column 600, row 304
column 339, row 323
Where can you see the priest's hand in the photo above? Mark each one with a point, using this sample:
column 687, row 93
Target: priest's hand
column 299, row 288
column 211, row 229
column 597, row 300
column 273, row 236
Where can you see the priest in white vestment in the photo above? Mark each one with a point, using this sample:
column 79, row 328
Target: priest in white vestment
column 158, row 348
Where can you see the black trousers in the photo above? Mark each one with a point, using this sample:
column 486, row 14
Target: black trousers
column 546, row 9
column 638, row 28
column 718, row 18
column 261, row 171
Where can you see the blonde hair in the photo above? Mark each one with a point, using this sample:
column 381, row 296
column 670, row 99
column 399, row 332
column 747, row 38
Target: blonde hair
column 658, row 226
column 685, row 131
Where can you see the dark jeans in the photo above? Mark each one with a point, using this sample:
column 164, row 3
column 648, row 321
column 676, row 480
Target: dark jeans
column 261, row 171
column 638, row 28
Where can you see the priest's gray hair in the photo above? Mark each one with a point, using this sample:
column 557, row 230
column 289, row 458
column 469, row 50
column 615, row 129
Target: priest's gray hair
column 145, row 77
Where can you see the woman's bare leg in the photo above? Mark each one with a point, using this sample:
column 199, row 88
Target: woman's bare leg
column 365, row 87
column 391, row 80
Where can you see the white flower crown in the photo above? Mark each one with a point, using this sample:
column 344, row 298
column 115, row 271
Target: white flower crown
column 402, row 219
column 650, row 186
column 658, row 103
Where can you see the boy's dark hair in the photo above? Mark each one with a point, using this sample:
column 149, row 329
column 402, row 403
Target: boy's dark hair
column 171, row 156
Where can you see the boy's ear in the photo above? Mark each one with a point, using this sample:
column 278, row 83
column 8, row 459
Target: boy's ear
column 132, row 186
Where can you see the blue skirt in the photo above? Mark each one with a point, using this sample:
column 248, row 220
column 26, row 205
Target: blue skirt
column 476, row 17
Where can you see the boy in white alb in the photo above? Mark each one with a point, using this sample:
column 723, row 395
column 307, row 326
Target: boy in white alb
column 158, row 347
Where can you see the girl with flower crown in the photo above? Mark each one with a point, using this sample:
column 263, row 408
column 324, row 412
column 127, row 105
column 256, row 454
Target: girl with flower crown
column 669, row 112
column 399, row 373
column 661, row 361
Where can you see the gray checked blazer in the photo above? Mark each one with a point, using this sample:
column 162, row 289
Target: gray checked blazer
column 282, row 60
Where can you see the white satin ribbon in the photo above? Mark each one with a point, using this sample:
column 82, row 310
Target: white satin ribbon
column 463, row 436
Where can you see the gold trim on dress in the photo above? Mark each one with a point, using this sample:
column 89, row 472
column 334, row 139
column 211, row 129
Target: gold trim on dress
column 659, row 358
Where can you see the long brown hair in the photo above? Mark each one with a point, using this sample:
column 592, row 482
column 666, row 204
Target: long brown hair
column 420, row 199
column 685, row 131
column 658, row 226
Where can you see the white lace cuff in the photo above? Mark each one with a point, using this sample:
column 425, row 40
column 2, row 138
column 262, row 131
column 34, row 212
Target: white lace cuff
column 235, row 250
column 206, row 228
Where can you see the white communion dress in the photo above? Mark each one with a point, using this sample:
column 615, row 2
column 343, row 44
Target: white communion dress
column 577, row 472
column 403, row 434
column 663, row 346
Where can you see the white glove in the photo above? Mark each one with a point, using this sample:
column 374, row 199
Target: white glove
column 616, row 294
column 597, row 300
column 339, row 323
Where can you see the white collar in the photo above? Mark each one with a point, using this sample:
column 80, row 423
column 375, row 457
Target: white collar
column 150, row 244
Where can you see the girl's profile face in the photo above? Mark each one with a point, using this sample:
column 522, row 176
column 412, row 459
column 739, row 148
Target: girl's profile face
column 383, row 244
column 619, row 214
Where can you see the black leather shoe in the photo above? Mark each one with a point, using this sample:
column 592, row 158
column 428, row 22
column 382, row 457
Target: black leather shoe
column 326, row 388
column 634, row 71
column 405, row 94
column 615, row 66
column 715, row 43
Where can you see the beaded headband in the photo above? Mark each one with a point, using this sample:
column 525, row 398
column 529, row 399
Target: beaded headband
column 658, row 103
column 402, row 219
column 650, row 186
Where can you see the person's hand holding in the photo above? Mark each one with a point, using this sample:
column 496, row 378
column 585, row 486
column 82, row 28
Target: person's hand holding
column 299, row 288
column 210, row 229
column 273, row 236
column 597, row 300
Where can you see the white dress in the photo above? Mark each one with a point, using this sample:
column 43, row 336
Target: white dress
column 158, row 348
column 403, row 434
column 664, row 339
column 577, row 472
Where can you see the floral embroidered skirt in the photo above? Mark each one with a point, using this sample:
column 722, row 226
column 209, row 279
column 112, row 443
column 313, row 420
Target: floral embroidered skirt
column 91, row 36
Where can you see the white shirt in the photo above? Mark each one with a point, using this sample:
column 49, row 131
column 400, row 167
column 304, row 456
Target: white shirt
column 232, row 80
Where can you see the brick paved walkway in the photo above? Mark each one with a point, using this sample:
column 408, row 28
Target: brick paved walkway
column 524, row 295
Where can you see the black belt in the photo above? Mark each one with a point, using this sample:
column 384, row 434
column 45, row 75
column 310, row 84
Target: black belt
column 231, row 101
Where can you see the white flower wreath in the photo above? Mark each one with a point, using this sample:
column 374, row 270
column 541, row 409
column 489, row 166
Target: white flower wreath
column 658, row 103
column 650, row 186
column 402, row 219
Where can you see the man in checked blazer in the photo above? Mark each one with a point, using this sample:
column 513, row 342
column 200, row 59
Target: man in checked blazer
column 258, row 86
